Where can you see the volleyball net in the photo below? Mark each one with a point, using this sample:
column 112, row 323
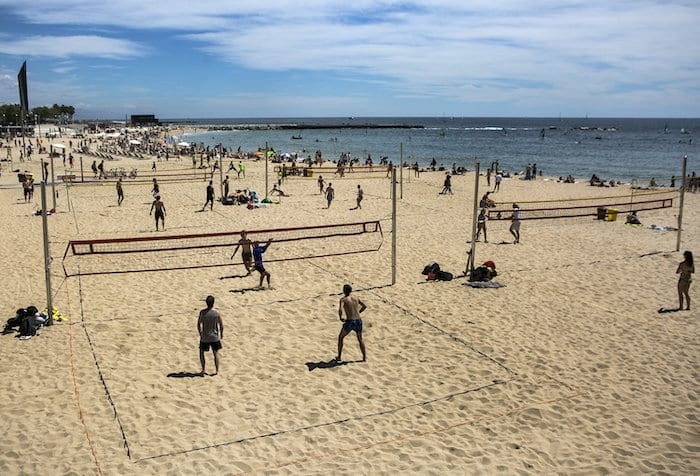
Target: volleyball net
column 208, row 250
column 331, row 171
column 534, row 212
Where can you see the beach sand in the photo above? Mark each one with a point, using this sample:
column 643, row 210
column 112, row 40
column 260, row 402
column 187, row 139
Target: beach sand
column 566, row 369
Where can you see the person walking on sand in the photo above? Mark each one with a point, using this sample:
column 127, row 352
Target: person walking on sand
column 159, row 207
column 515, row 224
column 447, row 185
column 481, row 225
column 685, row 269
column 120, row 192
column 499, row 179
column 211, row 331
column 226, row 187
column 352, row 306
column 258, row 251
column 321, row 184
column 360, row 195
column 488, row 177
column 330, row 194
column 241, row 169
column 246, row 252
column 156, row 188
column 210, row 197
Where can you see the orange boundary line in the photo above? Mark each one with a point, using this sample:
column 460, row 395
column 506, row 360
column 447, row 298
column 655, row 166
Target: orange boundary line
column 81, row 412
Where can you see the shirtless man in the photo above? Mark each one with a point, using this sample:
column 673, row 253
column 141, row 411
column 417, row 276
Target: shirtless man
column 353, row 307
column 160, row 211
column 360, row 196
column 247, row 253
column 120, row 192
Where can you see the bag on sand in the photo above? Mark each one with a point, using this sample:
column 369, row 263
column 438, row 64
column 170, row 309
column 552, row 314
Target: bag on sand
column 444, row 276
column 431, row 268
column 27, row 327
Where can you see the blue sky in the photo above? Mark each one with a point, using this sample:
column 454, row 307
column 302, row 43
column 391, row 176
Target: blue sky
column 183, row 58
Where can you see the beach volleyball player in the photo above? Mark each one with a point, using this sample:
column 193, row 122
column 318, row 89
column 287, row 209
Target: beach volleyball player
column 353, row 307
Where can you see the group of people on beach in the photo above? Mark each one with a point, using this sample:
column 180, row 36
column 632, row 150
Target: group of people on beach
column 210, row 324
column 210, row 327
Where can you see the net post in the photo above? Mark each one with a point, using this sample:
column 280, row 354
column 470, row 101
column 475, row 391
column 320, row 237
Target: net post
column 472, row 250
column 393, row 226
column 82, row 177
column 682, row 198
column 401, row 170
column 266, row 180
column 221, row 176
column 47, row 254
column 53, row 185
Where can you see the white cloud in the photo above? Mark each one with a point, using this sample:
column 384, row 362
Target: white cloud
column 478, row 50
column 70, row 46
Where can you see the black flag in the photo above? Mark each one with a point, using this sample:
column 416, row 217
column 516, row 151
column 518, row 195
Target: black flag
column 22, row 81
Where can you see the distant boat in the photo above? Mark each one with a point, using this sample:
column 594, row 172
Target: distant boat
column 296, row 137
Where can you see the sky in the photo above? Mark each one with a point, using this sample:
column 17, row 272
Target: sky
column 328, row 58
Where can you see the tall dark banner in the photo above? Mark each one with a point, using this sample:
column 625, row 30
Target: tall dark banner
column 22, row 81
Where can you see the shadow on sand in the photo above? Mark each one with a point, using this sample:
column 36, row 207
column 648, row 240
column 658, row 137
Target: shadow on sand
column 184, row 374
column 329, row 364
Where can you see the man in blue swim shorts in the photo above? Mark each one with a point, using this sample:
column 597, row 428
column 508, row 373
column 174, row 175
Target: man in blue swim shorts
column 258, row 251
column 353, row 307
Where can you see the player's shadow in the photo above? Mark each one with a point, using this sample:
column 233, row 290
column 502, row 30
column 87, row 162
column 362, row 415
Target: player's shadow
column 328, row 364
column 245, row 290
column 235, row 276
column 185, row 375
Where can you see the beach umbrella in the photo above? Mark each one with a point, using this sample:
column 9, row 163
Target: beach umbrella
column 183, row 144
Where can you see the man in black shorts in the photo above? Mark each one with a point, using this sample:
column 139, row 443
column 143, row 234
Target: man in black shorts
column 211, row 331
column 159, row 207
column 353, row 307
column 210, row 197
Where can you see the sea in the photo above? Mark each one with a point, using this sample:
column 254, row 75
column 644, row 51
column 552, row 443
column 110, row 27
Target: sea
column 624, row 149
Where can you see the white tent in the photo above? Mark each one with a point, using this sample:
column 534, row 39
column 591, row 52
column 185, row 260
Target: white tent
column 58, row 146
column 134, row 142
column 183, row 144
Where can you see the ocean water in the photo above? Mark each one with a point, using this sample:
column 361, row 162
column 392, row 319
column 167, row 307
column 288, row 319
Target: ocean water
column 620, row 149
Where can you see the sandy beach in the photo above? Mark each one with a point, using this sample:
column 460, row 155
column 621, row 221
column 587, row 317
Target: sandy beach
column 566, row 369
